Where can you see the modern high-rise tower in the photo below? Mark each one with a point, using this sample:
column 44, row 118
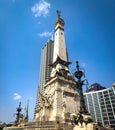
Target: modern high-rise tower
column 46, row 60
column 45, row 68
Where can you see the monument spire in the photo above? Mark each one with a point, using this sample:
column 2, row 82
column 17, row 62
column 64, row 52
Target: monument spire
column 60, row 88
column 59, row 39
column 60, row 60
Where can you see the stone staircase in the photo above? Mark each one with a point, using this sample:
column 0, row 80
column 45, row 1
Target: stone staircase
column 47, row 125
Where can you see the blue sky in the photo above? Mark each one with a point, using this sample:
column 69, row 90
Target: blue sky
column 25, row 26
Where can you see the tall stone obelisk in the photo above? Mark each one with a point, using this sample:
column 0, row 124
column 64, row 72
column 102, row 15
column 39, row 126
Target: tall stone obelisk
column 60, row 98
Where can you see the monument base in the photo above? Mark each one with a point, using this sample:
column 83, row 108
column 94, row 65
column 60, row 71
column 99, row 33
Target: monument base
column 91, row 126
column 52, row 125
column 47, row 125
column 85, row 122
column 13, row 128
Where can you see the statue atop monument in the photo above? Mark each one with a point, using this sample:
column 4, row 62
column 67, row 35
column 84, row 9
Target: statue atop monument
column 59, row 20
column 58, row 13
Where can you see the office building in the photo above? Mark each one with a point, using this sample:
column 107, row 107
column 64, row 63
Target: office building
column 46, row 60
column 101, row 105
column 95, row 87
column 45, row 68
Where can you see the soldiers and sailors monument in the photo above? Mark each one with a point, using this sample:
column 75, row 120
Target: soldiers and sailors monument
column 60, row 103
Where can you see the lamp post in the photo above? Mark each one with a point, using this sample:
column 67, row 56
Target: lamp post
column 19, row 116
column 79, row 83
column 83, row 116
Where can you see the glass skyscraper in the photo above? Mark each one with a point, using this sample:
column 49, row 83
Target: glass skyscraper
column 101, row 105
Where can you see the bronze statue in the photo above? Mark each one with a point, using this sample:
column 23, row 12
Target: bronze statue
column 58, row 13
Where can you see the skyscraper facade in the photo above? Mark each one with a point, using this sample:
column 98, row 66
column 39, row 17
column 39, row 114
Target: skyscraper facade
column 46, row 60
column 45, row 68
column 101, row 105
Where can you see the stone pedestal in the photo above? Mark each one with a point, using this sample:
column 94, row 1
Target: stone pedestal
column 13, row 128
column 59, row 100
column 48, row 125
column 90, row 126
column 52, row 125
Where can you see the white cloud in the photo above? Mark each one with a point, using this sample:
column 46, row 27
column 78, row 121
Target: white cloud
column 45, row 34
column 41, row 8
column 17, row 96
